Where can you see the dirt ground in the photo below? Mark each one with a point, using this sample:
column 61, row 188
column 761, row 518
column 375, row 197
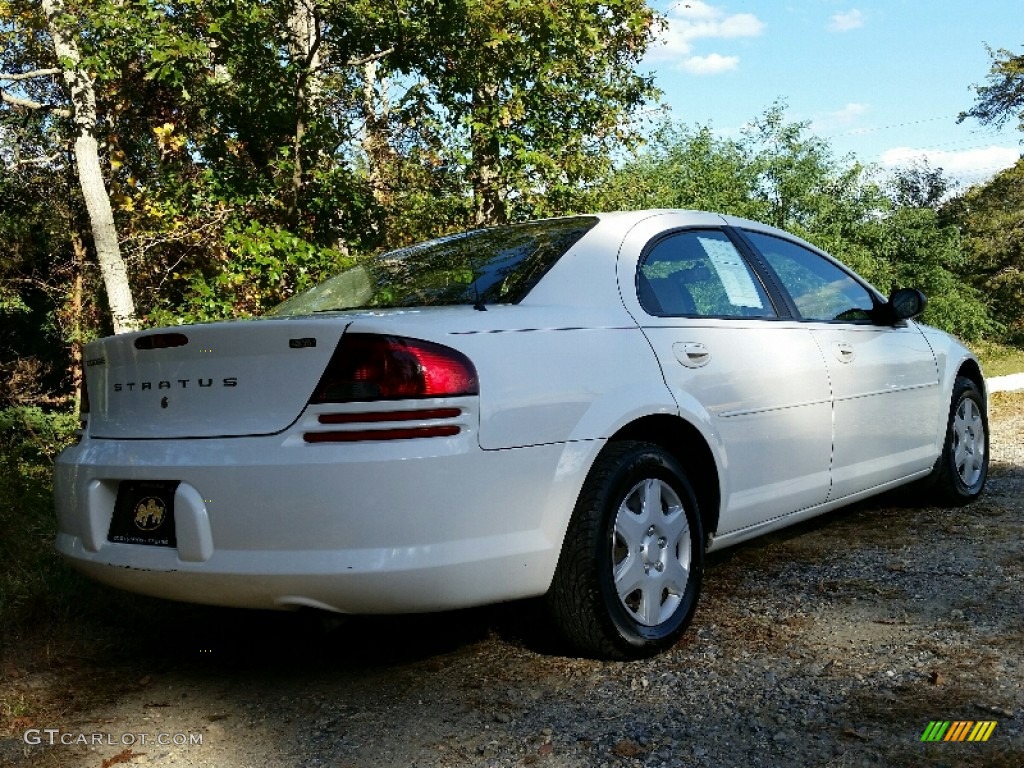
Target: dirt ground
column 833, row 643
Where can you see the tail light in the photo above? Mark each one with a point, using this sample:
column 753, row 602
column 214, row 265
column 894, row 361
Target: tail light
column 367, row 367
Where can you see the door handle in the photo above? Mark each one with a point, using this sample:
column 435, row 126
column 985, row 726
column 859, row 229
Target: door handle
column 692, row 354
column 844, row 352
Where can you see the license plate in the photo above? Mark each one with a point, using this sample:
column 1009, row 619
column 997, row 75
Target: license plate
column 144, row 513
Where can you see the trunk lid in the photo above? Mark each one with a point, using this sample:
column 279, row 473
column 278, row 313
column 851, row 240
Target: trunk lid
column 238, row 378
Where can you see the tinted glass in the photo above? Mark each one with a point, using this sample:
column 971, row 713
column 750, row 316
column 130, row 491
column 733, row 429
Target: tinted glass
column 492, row 266
column 820, row 289
column 700, row 273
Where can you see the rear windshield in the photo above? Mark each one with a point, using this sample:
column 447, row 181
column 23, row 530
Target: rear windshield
column 486, row 266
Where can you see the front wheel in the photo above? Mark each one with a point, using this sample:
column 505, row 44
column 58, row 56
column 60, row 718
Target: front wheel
column 630, row 572
column 963, row 467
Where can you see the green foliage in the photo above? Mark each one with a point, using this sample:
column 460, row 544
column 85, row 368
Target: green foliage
column 681, row 167
column 29, row 570
column 31, row 438
column 1003, row 97
column 11, row 302
column 371, row 133
column 259, row 267
column 543, row 92
column 920, row 186
column 918, row 251
column 991, row 218
column 37, row 271
column 775, row 173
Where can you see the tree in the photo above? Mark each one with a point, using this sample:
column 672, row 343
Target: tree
column 774, row 172
column 991, row 217
column 62, row 29
column 305, row 40
column 543, row 91
column 33, row 70
column 919, row 185
column 1003, row 97
column 681, row 167
column 44, row 292
column 916, row 250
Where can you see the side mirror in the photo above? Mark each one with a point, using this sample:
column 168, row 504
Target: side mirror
column 906, row 303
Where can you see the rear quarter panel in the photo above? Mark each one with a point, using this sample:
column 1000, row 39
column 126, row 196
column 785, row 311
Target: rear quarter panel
column 547, row 374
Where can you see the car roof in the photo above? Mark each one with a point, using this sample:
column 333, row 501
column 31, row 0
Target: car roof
column 626, row 220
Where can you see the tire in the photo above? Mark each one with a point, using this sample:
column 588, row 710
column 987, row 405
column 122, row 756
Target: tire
column 962, row 470
column 630, row 572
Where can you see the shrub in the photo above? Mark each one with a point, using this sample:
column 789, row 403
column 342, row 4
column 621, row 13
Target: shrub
column 30, row 572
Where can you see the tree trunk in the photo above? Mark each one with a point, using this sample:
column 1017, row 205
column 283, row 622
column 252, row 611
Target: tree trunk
column 75, row 310
column 486, row 156
column 376, row 146
column 304, row 39
column 90, row 176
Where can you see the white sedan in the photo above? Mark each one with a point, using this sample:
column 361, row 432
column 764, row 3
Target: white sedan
column 578, row 408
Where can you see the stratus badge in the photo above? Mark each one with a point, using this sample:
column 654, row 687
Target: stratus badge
column 149, row 513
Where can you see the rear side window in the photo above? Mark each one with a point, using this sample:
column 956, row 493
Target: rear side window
column 490, row 266
column 820, row 289
column 700, row 273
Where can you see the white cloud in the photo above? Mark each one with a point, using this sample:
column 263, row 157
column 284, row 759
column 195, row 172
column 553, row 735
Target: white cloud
column 969, row 166
column 709, row 65
column 850, row 112
column 848, row 115
column 695, row 20
column 844, row 22
column 841, row 120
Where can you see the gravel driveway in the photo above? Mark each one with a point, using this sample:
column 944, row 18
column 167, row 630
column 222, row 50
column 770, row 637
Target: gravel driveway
column 834, row 643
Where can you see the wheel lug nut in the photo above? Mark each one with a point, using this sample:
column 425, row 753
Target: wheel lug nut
column 650, row 531
column 647, row 569
column 659, row 567
column 662, row 542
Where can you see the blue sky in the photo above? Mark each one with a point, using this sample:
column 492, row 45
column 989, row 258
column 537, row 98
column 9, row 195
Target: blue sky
column 883, row 80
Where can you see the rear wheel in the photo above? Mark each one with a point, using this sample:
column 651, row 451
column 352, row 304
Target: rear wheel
column 630, row 572
column 963, row 466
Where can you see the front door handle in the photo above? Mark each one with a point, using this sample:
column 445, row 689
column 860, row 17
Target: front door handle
column 844, row 352
column 692, row 354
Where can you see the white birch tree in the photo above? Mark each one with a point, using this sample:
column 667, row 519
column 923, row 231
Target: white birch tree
column 61, row 25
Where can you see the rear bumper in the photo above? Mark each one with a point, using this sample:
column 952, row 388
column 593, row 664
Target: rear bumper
column 374, row 527
column 362, row 582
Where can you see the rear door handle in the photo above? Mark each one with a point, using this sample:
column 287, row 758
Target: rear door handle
column 692, row 354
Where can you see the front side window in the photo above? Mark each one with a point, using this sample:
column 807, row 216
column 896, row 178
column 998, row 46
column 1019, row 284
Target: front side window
column 487, row 266
column 820, row 289
column 700, row 273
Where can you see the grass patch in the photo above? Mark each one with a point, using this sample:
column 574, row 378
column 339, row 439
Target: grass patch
column 999, row 359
